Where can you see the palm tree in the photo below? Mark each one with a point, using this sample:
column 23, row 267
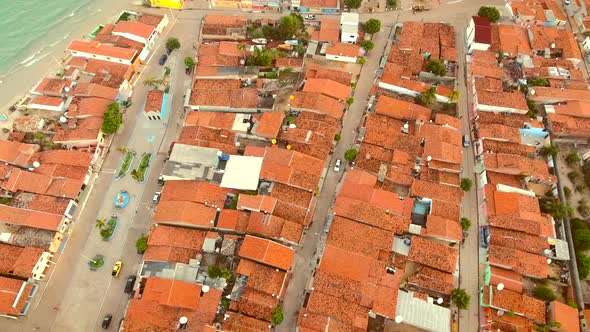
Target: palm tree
column 100, row 223
column 135, row 174
column 428, row 96
column 151, row 82
column 454, row 96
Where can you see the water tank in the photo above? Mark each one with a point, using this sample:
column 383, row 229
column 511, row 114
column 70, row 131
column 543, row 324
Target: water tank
column 36, row 164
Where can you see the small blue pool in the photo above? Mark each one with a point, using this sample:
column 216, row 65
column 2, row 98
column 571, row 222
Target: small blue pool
column 421, row 207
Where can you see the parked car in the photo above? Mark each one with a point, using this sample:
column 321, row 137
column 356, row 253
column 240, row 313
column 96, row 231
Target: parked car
column 106, row 321
column 484, row 232
column 117, row 269
column 310, row 17
column 188, row 70
column 156, row 197
column 163, row 59
column 466, row 140
column 129, row 284
column 337, row 165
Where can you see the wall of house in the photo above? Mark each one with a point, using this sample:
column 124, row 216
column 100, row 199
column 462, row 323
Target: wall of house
column 149, row 41
column 341, row 58
column 498, row 109
column 349, row 38
column 100, row 57
column 41, row 265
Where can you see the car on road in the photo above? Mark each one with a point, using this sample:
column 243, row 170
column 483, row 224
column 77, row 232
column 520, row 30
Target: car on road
column 106, row 321
column 466, row 140
column 117, row 269
column 156, row 197
column 129, row 284
column 337, row 165
column 163, row 59
column 484, row 236
column 310, row 17
column 567, row 2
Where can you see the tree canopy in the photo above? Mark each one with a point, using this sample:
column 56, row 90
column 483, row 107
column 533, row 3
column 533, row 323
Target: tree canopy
column 172, row 44
column 350, row 154
column 112, row 119
column 262, row 57
column 277, row 316
column 583, row 264
column 428, row 96
column 367, row 45
column 466, row 184
column 460, row 298
column 436, row 67
column 353, row 4
column 189, row 62
column 544, row 293
column 490, row 12
column 290, row 25
column 373, row 26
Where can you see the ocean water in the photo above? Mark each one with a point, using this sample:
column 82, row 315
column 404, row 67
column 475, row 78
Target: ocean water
column 29, row 29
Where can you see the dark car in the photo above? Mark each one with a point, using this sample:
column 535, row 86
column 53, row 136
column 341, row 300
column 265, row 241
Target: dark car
column 163, row 59
column 485, row 236
column 129, row 284
column 106, row 321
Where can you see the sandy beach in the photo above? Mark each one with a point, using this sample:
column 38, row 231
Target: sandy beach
column 15, row 85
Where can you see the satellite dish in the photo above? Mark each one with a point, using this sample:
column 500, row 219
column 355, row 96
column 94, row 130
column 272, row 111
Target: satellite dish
column 429, row 158
column 439, row 300
column 500, row 286
column 532, row 91
column 399, row 319
column 205, row 288
column 183, row 320
column 36, row 164
column 547, row 252
column 406, row 125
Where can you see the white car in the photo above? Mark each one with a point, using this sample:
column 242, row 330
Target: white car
column 156, row 198
column 567, row 2
column 310, row 17
column 337, row 165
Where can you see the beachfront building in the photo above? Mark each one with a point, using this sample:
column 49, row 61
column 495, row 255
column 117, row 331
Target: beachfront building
column 137, row 31
column 97, row 50
column 167, row 3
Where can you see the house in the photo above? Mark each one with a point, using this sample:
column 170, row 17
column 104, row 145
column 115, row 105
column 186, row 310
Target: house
column 343, row 52
column 23, row 262
column 157, row 21
column 536, row 12
column 224, row 27
column 137, row 31
column 349, row 28
column 53, row 87
column 329, row 31
column 479, row 34
column 17, row 154
column 328, row 88
column 155, row 105
column 317, row 6
column 96, row 50
column 47, row 103
column 16, row 297
column 226, row 95
column 176, row 4
column 564, row 314
column 187, row 162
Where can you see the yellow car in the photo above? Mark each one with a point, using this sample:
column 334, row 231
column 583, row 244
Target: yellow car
column 117, row 269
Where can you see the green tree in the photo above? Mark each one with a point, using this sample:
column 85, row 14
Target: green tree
column 532, row 108
column 490, row 12
column 135, row 175
column 112, row 119
column 353, row 4
column 367, row 45
column 427, row 96
column 337, row 137
column 541, row 81
column 172, row 44
column 460, row 298
column 573, row 176
column 100, row 223
column 436, row 67
column 349, row 101
column 141, row 244
column 544, row 293
column 262, row 57
column 392, row 3
column 567, row 192
column 277, row 316
column 572, row 158
column 500, row 56
column 454, row 96
column 583, row 263
column 189, row 62
column 372, row 26
column 214, row 271
column 290, row 25
column 350, row 154
column 466, row 184
column 549, row 150
column 268, row 32
column 465, row 223
column 361, row 61
column 581, row 239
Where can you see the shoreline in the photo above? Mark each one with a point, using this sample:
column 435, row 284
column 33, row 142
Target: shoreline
column 17, row 83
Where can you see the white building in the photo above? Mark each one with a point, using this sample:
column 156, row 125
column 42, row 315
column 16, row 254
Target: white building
column 478, row 34
column 137, row 31
column 343, row 52
column 349, row 28
column 96, row 50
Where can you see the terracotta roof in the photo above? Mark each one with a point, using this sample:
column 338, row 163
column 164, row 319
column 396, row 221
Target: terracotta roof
column 195, row 191
column 292, row 168
column 318, row 102
column 442, row 228
column 223, row 93
column 436, row 191
column 328, row 88
column 219, row 120
column 402, row 110
column 371, row 214
column 569, row 125
column 403, row 62
column 442, row 143
column 42, row 184
column 434, row 280
column 447, row 120
column 108, row 73
column 240, row 323
column 545, row 37
column 225, row 20
column 522, row 304
column 10, row 291
column 513, row 39
column 519, row 261
column 84, row 89
column 150, row 19
column 164, row 301
column 556, row 94
column 17, row 153
column 269, row 124
column 340, row 76
column 329, row 30
column 574, row 108
column 103, row 50
column 154, row 101
column 360, row 238
column 499, row 132
column 18, row 261
column 513, row 100
column 514, row 164
column 135, row 28
column 511, row 280
column 344, row 49
column 566, row 315
column 433, row 254
column 261, row 277
column 267, row 252
column 50, row 85
column 174, row 244
column 88, row 107
column 259, row 203
column 485, row 70
column 289, row 62
column 183, row 212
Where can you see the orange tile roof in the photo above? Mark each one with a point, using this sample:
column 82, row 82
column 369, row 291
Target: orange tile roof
column 447, row 120
column 219, row 120
column 545, row 37
column 344, row 49
column 329, row 30
column 195, row 191
column 357, row 237
column 223, row 93
column 484, row 70
column 442, row 228
column 433, row 254
column 262, row 278
column 522, row 262
column 16, row 153
column 557, row 94
column 260, row 203
column 84, row 89
column 108, row 73
column 46, row 100
column 566, row 315
column 225, row 20
column 432, row 279
column 328, row 88
column 514, row 164
column 289, row 62
column 511, row 280
column 150, row 19
column 240, row 323
column 402, row 110
column 103, row 50
column 569, row 125
column 51, row 85
column 340, row 76
column 154, row 101
column 318, row 102
column 10, row 291
column 513, row 39
column 371, row 214
column 195, row 214
column 292, row 168
column 30, row 218
column 267, row 252
column 18, row 261
column 135, row 28
column 87, row 107
column 576, row 108
column 521, row 304
column 436, row 191
column 514, row 100
column 270, row 123
column 174, row 244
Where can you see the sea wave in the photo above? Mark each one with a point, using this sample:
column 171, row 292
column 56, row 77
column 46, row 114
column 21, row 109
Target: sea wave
column 35, row 60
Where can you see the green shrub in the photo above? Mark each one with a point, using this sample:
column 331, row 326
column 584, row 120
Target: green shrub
column 460, row 298
column 465, row 223
column 544, row 293
column 337, row 137
column 277, row 316
column 466, row 184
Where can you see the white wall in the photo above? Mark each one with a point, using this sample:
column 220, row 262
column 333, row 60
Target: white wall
column 586, row 44
column 404, row 91
column 341, row 58
column 58, row 108
column 100, row 57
